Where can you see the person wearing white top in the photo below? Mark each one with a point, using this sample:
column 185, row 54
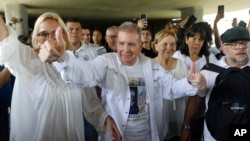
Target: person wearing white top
column 83, row 52
column 194, row 49
column 165, row 45
column 235, row 46
column 43, row 106
column 133, row 85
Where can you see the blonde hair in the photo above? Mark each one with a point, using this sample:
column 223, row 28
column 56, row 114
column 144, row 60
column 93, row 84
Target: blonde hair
column 42, row 18
column 161, row 34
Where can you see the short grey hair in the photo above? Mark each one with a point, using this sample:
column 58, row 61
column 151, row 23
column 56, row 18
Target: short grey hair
column 130, row 27
column 111, row 28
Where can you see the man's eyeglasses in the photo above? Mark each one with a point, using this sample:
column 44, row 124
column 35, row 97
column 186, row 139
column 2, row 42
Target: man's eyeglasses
column 44, row 35
column 236, row 45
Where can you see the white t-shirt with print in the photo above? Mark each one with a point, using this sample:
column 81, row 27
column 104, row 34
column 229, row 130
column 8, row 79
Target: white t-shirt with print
column 138, row 125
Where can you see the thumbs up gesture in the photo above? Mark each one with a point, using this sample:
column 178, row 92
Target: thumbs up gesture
column 196, row 79
column 53, row 50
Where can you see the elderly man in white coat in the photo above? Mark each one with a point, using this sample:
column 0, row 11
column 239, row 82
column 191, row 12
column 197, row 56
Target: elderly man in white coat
column 138, row 116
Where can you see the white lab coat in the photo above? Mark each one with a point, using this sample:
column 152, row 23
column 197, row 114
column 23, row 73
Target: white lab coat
column 44, row 107
column 107, row 72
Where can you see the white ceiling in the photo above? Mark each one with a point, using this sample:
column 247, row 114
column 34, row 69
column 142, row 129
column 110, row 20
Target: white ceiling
column 123, row 9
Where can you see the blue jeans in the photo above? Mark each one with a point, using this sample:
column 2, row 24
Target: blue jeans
column 4, row 125
column 90, row 131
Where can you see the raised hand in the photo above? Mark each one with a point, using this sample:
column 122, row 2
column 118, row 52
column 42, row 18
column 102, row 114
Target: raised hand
column 183, row 22
column 218, row 17
column 234, row 22
column 142, row 23
column 196, row 79
column 53, row 50
column 3, row 29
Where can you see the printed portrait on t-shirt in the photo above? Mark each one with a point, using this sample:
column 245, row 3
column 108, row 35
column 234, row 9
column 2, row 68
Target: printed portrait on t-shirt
column 138, row 95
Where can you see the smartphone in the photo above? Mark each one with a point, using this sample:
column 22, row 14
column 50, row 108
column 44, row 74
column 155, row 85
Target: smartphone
column 191, row 20
column 242, row 24
column 144, row 16
column 221, row 9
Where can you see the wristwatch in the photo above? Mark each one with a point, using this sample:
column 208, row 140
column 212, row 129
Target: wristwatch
column 185, row 126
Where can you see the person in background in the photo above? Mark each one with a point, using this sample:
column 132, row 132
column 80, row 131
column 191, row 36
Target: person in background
column 235, row 46
column 165, row 44
column 5, row 100
column 139, row 117
column 83, row 52
column 83, row 49
column 146, row 39
column 43, row 104
column 86, row 37
column 97, row 40
column 97, row 37
column 209, row 32
column 111, row 38
column 195, row 49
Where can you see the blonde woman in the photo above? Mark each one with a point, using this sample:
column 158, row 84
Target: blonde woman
column 165, row 45
column 44, row 107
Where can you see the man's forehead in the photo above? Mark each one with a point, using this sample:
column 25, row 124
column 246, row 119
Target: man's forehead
column 85, row 31
column 73, row 24
column 123, row 35
column 112, row 31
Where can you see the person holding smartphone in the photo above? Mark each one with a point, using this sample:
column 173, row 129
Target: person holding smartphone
column 146, row 38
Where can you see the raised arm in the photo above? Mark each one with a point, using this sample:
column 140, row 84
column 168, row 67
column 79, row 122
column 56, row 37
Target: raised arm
column 181, row 31
column 3, row 29
column 217, row 38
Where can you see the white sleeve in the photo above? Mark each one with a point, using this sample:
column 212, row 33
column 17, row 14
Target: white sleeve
column 80, row 72
column 173, row 88
column 85, row 74
column 8, row 46
column 93, row 109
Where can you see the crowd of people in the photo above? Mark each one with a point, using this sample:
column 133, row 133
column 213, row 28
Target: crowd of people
column 72, row 83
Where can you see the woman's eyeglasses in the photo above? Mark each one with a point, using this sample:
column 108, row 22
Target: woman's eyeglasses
column 44, row 35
